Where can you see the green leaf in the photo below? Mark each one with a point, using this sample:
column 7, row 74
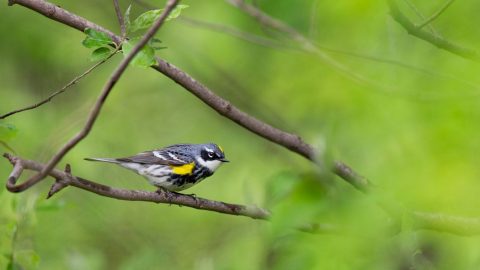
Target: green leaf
column 144, row 58
column 176, row 12
column 155, row 40
column 153, row 43
column 127, row 18
column 159, row 48
column 100, row 54
column 7, row 132
column 145, row 20
column 96, row 39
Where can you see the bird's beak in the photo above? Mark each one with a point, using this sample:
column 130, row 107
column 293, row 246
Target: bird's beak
column 224, row 160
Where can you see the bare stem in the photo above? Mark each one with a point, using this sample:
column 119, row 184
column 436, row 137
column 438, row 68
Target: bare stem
column 436, row 14
column 121, row 21
column 420, row 15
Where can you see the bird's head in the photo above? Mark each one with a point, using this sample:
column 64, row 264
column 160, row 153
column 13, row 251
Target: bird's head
column 211, row 156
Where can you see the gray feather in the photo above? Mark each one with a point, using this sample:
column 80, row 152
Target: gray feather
column 110, row 160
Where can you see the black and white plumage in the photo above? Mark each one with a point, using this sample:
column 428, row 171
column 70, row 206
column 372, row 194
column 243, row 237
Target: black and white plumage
column 176, row 167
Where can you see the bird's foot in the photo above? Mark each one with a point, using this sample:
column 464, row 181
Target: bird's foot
column 193, row 196
column 167, row 193
column 172, row 194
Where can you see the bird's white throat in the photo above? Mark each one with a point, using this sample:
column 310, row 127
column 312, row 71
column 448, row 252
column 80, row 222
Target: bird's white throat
column 212, row 165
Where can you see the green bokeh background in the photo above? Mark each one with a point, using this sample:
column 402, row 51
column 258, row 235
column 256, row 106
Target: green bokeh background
column 411, row 131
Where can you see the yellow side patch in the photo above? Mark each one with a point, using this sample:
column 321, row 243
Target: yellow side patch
column 183, row 169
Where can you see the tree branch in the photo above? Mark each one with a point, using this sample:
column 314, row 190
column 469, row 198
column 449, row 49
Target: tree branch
column 435, row 40
column 260, row 40
column 444, row 223
column 66, row 179
column 61, row 15
column 266, row 20
column 121, row 21
column 98, row 105
column 225, row 108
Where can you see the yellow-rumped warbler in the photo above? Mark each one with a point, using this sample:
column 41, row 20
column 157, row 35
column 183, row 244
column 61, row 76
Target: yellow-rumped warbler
column 176, row 167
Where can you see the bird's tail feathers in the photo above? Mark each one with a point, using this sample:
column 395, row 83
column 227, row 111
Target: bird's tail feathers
column 110, row 160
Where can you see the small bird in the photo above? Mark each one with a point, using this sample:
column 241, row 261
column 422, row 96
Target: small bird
column 176, row 167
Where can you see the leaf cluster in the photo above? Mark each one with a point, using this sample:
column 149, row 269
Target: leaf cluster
column 104, row 46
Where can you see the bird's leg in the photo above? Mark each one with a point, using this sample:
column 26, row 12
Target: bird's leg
column 193, row 196
column 167, row 193
column 171, row 194
column 160, row 191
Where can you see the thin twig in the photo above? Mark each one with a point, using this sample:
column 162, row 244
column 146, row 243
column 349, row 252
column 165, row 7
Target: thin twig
column 58, row 92
column 121, row 21
column 420, row 15
column 269, row 21
column 263, row 41
column 67, row 179
column 98, row 105
column 436, row 14
column 5, row 144
column 435, row 40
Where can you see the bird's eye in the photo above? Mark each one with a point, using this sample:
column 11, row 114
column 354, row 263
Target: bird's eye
column 210, row 154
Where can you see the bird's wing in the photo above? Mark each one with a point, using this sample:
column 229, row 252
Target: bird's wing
column 162, row 157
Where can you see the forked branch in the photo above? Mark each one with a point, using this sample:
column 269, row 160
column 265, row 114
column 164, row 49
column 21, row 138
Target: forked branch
column 433, row 39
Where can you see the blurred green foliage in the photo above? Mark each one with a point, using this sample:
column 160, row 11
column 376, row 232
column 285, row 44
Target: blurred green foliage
column 412, row 130
column 7, row 132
